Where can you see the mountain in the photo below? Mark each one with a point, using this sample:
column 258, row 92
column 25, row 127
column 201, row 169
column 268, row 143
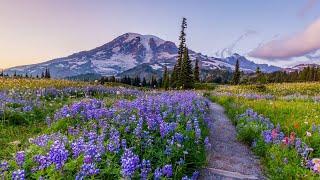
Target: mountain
column 128, row 52
column 299, row 67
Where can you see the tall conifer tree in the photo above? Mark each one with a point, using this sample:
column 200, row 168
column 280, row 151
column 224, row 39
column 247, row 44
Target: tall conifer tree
column 196, row 72
column 236, row 75
column 165, row 83
column 186, row 74
column 175, row 77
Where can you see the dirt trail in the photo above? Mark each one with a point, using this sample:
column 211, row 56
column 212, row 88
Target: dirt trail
column 228, row 158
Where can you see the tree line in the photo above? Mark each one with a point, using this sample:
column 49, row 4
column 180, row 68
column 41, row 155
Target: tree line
column 183, row 75
column 44, row 75
column 307, row 74
column 153, row 82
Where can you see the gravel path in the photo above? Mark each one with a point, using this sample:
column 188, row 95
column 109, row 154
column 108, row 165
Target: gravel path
column 228, row 158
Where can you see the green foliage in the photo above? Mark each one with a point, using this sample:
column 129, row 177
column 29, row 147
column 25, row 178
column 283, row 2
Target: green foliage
column 205, row 86
column 237, row 74
column 283, row 162
column 182, row 74
column 260, row 148
column 166, row 79
column 248, row 131
column 186, row 74
column 196, row 72
column 293, row 116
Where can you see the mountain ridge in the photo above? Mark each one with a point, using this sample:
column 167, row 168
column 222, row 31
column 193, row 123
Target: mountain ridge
column 129, row 51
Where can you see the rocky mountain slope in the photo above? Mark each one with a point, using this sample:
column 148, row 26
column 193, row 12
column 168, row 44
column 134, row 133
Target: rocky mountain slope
column 128, row 52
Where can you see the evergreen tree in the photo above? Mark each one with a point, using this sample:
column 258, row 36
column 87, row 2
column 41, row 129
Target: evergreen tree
column 153, row 82
column 160, row 82
column 196, row 72
column 258, row 71
column 166, row 80
column 15, row 74
column 2, row 74
column 236, row 75
column 47, row 73
column 175, row 77
column 186, row 74
column 112, row 79
column 144, row 82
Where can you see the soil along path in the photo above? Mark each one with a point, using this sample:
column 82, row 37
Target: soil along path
column 228, row 158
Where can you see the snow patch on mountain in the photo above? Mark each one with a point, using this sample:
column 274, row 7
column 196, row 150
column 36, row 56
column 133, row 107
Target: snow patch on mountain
column 156, row 66
column 128, row 51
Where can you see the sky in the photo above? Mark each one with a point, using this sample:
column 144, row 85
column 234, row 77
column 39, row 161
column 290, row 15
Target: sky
column 276, row 32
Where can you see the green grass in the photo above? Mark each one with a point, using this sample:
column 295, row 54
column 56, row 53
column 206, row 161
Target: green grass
column 19, row 127
column 293, row 116
column 277, row 89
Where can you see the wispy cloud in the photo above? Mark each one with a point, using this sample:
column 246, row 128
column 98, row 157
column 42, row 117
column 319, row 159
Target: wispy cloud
column 296, row 45
column 307, row 7
column 230, row 49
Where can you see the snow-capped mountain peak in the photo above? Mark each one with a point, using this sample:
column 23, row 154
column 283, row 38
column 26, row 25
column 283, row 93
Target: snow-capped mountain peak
column 127, row 52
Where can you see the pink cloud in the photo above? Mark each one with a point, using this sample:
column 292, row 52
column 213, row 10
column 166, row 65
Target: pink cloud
column 297, row 45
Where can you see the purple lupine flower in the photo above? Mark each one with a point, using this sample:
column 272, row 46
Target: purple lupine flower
column 129, row 163
column 197, row 129
column 267, row 135
column 167, row 170
column 137, row 131
column 165, row 128
column 43, row 161
column 207, row 143
column 179, row 137
column 20, row 158
column 145, row 169
column 185, row 178
column 48, row 120
column 124, row 143
column 114, row 141
column 157, row 174
column 41, row 140
column 168, row 150
column 314, row 128
column 92, row 150
column 77, row 146
column 73, row 131
column 180, row 162
column 298, row 143
column 189, row 126
column 4, row 166
column 27, row 108
column 58, row 154
column 89, row 169
column 87, row 159
column 100, row 143
column 18, row 175
column 195, row 175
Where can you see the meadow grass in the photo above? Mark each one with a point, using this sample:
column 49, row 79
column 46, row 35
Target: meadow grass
column 277, row 89
column 299, row 116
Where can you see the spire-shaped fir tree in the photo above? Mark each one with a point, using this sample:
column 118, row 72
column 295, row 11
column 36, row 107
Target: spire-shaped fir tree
column 196, row 72
column 166, row 79
column 236, row 75
column 175, row 77
column 186, row 74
